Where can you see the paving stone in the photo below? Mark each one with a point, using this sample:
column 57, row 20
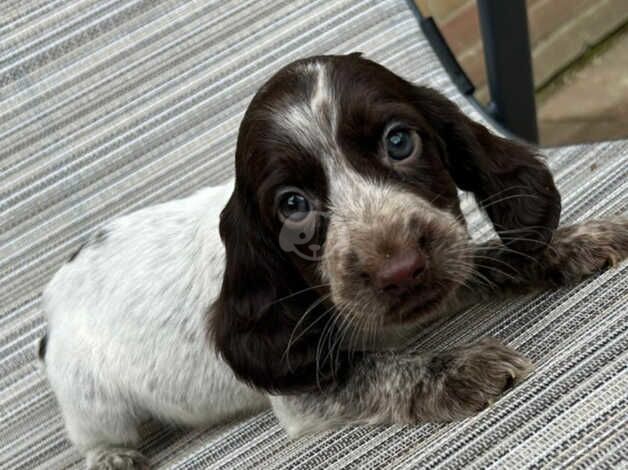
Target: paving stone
column 589, row 104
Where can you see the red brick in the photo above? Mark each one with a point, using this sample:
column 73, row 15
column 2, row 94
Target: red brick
column 441, row 10
column 472, row 63
column 545, row 17
column 462, row 30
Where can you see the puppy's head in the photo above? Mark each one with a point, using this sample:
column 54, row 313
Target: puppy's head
column 345, row 217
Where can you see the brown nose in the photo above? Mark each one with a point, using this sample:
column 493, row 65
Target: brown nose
column 398, row 273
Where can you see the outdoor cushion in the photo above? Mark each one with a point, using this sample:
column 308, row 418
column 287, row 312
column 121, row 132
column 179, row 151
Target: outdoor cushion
column 109, row 106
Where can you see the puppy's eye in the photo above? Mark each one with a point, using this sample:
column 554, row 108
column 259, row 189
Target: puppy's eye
column 294, row 206
column 401, row 143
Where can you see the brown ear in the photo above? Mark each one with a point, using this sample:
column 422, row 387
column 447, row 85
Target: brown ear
column 258, row 322
column 509, row 181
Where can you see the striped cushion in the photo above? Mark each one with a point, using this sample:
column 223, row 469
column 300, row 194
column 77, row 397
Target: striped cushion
column 108, row 106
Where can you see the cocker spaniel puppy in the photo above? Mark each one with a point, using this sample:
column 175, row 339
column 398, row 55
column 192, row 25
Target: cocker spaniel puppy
column 296, row 284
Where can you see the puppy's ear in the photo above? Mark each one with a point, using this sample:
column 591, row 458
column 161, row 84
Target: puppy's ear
column 509, row 181
column 258, row 323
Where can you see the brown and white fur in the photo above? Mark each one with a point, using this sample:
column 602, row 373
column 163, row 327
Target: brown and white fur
column 341, row 235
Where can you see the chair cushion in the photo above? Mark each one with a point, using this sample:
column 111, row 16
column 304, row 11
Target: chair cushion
column 106, row 107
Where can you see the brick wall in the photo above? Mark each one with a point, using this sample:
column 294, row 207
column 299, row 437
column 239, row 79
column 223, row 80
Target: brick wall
column 561, row 31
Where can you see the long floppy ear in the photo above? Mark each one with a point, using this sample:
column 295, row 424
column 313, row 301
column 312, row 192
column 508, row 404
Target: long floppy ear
column 260, row 322
column 509, row 181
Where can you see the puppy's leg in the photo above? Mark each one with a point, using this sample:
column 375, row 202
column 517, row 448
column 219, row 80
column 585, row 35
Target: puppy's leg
column 579, row 250
column 575, row 252
column 106, row 434
column 100, row 421
column 408, row 387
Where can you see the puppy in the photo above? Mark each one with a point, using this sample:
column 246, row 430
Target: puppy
column 341, row 235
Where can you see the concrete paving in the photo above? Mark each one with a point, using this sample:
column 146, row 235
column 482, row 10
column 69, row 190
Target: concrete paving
column 590, row 102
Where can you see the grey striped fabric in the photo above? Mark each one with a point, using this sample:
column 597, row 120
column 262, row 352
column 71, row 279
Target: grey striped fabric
column 108, row 106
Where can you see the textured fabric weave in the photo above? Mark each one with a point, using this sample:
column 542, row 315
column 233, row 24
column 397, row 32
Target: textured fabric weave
column 109, row 106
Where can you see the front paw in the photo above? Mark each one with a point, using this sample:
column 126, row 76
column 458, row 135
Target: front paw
column 583, row 249
column 469, row 379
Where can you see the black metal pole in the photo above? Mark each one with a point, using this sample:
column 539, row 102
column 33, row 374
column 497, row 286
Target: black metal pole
column 506, row 41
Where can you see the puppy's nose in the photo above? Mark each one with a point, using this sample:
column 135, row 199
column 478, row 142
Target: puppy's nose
column 398, row 274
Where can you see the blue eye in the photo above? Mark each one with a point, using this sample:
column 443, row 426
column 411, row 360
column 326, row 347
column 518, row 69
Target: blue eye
column 294, row 206
column 400, row 143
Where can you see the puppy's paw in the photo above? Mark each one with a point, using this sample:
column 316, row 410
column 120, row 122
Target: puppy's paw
column 471, row 378
column 583, row 249
column 116, row 458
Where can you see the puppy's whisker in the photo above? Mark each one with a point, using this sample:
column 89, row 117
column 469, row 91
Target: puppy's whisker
column 471, row 271
column 500, row 193
column 342, row 331
column 294, row 294
column 292, row 339
column 329, row 324
column 497, row 270
column 528, row 228
column 508, row 198
column 505, row 248
column 478, row 277
column 496, row 260
column 547, row 246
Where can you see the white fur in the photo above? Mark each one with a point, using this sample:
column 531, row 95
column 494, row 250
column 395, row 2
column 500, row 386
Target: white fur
column 298, row 423
column 322, row 103
column 128, row 318
column 312, row 124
